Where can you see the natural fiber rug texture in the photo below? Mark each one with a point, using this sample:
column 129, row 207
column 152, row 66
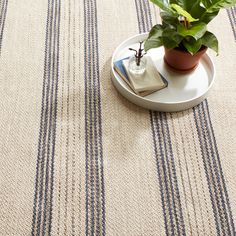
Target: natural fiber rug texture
column 77, row 158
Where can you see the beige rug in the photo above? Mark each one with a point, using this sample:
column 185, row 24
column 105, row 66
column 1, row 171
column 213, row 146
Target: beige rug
column 77, row 158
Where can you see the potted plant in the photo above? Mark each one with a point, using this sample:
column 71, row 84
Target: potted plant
column 183, row 31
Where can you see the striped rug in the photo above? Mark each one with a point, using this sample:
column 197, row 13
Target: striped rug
column 77, row 158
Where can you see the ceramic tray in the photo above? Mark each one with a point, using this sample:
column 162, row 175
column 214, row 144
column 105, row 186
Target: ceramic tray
column 184, row 90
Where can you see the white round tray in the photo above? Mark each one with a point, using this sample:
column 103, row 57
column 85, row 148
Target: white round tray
column 185, row 90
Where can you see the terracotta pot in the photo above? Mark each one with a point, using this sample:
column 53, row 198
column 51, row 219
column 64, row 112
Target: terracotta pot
column 181, row 60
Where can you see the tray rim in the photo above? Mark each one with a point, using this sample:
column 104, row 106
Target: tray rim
column 125, row 89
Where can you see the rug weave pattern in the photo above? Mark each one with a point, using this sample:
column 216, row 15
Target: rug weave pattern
column 77, row 158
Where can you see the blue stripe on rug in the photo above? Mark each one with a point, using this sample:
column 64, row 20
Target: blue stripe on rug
column 95, row 190
column 3, row 13
column 213, row 170
column 42, row 209
column 169, row 190
column 232, row 18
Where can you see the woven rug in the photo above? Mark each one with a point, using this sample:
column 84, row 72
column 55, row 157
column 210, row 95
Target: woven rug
column 77, row 158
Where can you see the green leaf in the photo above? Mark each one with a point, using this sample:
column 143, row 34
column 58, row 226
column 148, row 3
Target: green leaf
column 196, row 9
column 163, row 4
column 156, row 31
column 184, row 13
column 154, row 39
column 192, row 45
column 185, row 4
column 216, row 5
column 169, row 18
column 196, row 31
column 209, row 40
column 171, row 38
column 206, row 17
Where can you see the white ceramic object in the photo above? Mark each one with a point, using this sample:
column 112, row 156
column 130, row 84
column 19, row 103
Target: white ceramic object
column 185, row 90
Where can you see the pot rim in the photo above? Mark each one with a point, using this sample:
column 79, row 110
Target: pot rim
column 203, row 48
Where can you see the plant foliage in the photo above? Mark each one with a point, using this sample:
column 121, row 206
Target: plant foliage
column 184, row 24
